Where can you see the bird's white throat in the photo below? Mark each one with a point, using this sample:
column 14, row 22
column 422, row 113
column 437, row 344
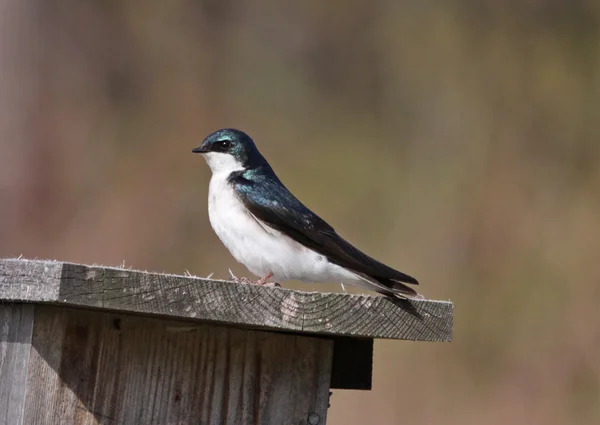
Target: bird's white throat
column 222, row 163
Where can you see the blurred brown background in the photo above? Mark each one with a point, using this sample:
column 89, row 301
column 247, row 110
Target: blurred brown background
column 457, row 141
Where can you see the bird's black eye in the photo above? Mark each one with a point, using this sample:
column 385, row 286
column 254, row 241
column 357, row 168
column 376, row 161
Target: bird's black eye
column 224, row 145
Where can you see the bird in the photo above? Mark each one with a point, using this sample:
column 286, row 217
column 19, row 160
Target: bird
column 267, row 229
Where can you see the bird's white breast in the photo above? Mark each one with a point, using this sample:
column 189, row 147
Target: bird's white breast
column 261, row 248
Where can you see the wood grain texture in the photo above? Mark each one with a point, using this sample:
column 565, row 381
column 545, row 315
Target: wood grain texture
column 16, row 324
column 102, row 368
column 224, row 302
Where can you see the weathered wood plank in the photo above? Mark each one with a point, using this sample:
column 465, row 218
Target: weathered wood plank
column 224, row 302
column 92, row 367
column 16, row 324
column 24, row 280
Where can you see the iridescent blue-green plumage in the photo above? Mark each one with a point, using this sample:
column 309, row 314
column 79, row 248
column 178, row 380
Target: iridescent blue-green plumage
column 242, row 147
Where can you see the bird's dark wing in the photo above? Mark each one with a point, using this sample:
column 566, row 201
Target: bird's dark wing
column 278, row 208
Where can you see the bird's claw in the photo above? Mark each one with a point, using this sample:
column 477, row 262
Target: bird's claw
column 238, row 279
column 244, row 280
column 263, row 281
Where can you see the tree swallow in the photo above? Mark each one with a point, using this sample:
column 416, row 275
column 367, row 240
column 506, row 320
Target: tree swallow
column 272, row 233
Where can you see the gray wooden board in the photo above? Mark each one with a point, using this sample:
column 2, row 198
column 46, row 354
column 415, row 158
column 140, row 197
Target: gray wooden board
column 91, row 367
column 16, row 324
column 223, row 301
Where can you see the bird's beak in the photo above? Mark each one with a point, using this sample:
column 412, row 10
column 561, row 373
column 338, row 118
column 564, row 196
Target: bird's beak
column 200, row 149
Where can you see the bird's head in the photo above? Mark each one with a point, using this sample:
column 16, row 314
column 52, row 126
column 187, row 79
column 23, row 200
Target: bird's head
column 229, row 150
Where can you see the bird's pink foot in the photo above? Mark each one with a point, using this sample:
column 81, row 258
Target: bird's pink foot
column 263, row 281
